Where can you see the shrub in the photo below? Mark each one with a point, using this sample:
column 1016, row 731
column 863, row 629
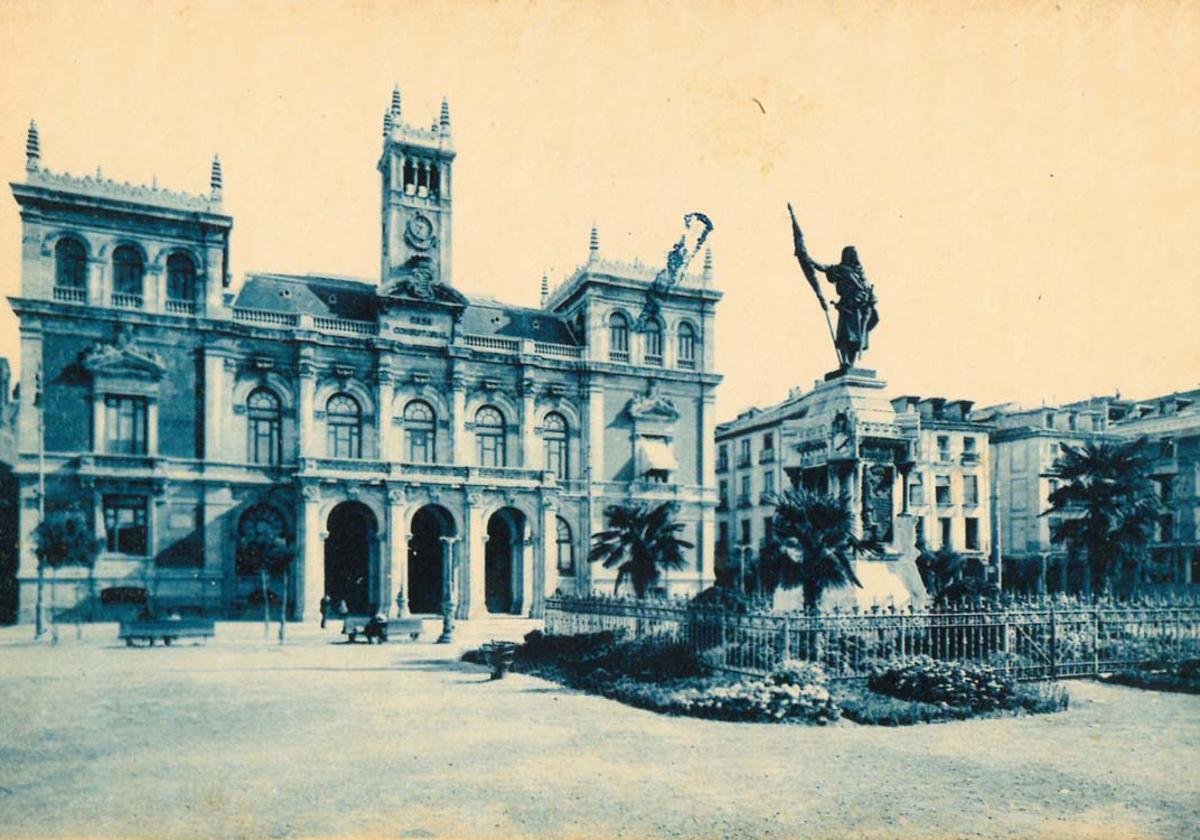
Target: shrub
column 798, row 672
column 759, row 700
column 931, row 681
column 724, row 598
column 861, row 705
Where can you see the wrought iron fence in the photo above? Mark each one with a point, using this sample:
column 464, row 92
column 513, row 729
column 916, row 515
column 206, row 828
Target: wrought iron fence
column 1028, row 639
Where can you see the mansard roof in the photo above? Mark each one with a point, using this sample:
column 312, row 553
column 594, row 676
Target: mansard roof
column 321, row 297
column 358, row 300
column 486, row 316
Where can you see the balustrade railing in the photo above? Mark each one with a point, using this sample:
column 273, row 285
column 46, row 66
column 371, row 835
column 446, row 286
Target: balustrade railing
column 127, row 301
column 181, row 307
column 1028, row 639
column 266, row 316
column 493, row 343
column 562, row 351
column 68, row 294
column 344, row 325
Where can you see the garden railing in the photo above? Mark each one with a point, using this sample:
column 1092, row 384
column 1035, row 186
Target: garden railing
column 1028, row 639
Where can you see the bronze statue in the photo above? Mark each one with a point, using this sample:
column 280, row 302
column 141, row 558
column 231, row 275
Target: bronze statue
column 856, row 304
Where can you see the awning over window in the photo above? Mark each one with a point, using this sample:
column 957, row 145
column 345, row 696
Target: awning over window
column 654, row 454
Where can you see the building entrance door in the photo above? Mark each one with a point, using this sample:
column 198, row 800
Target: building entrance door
column 349, row 551
column 427, row 561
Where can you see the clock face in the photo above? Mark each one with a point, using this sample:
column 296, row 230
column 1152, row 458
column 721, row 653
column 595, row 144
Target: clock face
column 419, row 232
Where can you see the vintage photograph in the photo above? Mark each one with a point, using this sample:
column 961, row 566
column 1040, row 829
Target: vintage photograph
column 577, row 419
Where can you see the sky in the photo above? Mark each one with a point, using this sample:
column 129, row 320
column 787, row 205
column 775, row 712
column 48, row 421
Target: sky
column 1021, row 179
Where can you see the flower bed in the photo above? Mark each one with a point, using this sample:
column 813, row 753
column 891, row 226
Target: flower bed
column 1184, row 678
column 664, row 675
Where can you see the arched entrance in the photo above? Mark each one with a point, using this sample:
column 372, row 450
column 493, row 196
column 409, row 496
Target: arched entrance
column 503, row 561
column 426, row 559
column 349, row 550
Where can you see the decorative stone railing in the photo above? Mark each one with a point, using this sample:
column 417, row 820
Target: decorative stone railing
column 344, row 325
column 493, row 343
column 181, row 307
column 66, row 294
column 564, row 351
column 127, row 301
column 266, row 316
column 106, row 188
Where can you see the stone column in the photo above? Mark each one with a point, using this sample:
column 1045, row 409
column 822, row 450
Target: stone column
column 458, row 420
column 312, row 540
column 383, row 413
column 531, row 578
column 450, row 575
column 473, row 564
column 398, row 537
column 529, row 457
column 706, row 528
column 214, row 403
column 305, row 445
column 220, row 539
column 545, row 558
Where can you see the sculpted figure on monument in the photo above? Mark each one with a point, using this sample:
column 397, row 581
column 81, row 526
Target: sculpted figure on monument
column 856, row 304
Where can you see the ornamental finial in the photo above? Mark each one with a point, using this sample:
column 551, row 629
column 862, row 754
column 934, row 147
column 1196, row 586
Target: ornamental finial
column 33, row 148
column 395, row 110
column 594, row 240
column 215, row 179
column 444, row 120
column 387, row 124
column 708, row 262
column 545, row 289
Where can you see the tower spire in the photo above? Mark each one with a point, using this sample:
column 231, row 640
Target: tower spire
column 444, row 119
column 215, row 179
column 395, row 110
column 593, row 243
column 33, row 148
column 388, row 122
column 545, row 289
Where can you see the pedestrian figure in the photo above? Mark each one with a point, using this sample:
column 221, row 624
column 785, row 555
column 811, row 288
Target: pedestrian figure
column 343, row 610
column 326, row 604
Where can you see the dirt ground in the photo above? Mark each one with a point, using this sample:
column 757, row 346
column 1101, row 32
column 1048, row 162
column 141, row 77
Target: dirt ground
column 242, row 739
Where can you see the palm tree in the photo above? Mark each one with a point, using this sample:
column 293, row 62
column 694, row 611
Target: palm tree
column 815, row 544
column 1109, row 508
column 939, row 569
column 639, row 543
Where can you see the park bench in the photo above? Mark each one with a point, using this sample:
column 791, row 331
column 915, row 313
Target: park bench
column 354, row 626
column 166, row 629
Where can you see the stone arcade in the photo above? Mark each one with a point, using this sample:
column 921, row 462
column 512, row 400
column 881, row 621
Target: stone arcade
column 399, row 433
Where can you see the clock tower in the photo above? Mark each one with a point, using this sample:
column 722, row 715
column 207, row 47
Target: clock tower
column 415, row 175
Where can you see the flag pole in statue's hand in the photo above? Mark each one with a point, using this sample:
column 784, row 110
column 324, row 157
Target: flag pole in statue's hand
column 810, row 273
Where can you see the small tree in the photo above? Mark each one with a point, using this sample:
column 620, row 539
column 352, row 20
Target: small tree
column 262, row 550
column 640, row 542
column 939, row 569
column 64, row 539
column 815, row 546
column 1108, row 509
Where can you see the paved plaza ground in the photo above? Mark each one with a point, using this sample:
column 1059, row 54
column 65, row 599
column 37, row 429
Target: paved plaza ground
column 242, row 739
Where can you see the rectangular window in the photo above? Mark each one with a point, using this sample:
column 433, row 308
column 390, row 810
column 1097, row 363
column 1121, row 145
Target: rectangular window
column 970, row 490
column 125, row 425
column 722, row 458
column 418, row 446
column 970, row 454
column 971, row 540
column 944, row 524
column 745, row 532
column 943, row 446
column 768, row 482
column 723, row 493
column 768, row 441
column 744, row 452
column 556, row 456
column 916, row 490
column 941, row 489
column 768, row 528
column 723, row 536
column 744, row 496
column 125, row 524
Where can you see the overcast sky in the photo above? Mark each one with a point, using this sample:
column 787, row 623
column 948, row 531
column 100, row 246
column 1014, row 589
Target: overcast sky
column 1022, row 180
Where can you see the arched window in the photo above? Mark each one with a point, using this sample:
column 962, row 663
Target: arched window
column 128, row 272
column 618, row 337
column 686, row 356
column 265, row 422
column 419, row 434
column 181, row 278
column 343, row 427
column 564, row 548
column 70, row 264
column 489, row 437
column 554, row 444
column 654, row 343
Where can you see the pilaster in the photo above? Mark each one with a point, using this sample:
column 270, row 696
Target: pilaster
column 307, row 372
column 398, row 537
column 383, row 412
column 529, row 458
column 312, row 539
column 458, row 420
column 475, row 550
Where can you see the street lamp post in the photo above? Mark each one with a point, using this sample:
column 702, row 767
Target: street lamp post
column 450, row 602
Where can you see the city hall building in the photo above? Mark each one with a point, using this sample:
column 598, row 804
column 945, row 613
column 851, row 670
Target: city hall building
column 402, row 436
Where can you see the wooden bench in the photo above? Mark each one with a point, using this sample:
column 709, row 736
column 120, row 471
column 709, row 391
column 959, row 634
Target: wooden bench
column 166, row 629
column 360, row 625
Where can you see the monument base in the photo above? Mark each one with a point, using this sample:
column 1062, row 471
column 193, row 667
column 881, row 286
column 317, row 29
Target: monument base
column 857, row 372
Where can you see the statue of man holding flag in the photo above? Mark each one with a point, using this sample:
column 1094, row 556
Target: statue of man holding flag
column 856, row 303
